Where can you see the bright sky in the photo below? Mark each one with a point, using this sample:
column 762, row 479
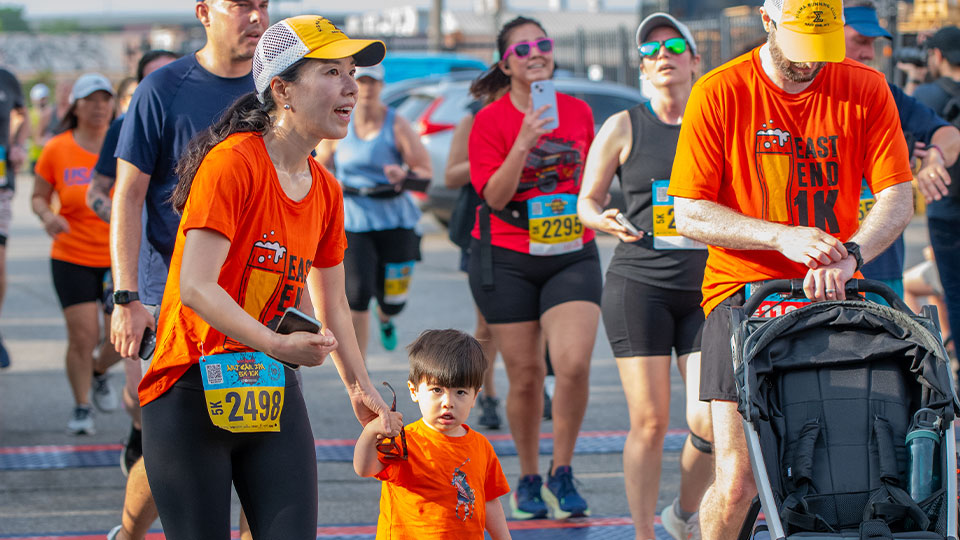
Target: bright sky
column 46, row 8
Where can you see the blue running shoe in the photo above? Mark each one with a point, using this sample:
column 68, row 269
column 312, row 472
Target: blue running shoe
column 560, row 494
column 388, row 335
column 4, row 356
column 526, row 501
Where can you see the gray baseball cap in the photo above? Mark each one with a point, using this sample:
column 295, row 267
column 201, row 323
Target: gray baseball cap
column 656, row 20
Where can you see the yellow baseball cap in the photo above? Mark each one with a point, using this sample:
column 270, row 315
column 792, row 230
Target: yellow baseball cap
column 307, row 36
column 809, row 30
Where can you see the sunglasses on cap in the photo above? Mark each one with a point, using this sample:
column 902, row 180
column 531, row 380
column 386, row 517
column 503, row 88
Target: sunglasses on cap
column 524, row 48
column 676, row 45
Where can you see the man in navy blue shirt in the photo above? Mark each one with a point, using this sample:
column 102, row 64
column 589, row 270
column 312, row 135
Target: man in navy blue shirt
column 169, row 107
column 920, row 125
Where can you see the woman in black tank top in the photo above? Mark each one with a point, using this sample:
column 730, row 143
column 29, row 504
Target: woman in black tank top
column 652, row 291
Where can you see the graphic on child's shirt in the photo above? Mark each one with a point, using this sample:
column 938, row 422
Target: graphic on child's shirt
column 799, row 177
column 465, row 496
column 273, row 280
column 552, row 161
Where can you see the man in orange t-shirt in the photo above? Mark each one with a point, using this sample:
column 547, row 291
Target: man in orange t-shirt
column 772, row 151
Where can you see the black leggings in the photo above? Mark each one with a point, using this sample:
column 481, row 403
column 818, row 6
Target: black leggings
column 191, row 463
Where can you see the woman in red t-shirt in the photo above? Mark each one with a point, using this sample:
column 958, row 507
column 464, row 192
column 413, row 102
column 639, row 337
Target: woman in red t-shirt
column 261, row 232
column 80, row 254
column 534, row 269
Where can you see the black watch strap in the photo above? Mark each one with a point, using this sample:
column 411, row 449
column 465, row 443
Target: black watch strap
column 853, row 248
column 125, row 297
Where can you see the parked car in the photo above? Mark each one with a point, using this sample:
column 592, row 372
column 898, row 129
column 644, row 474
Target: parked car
column 435, row 108
column 400, row 66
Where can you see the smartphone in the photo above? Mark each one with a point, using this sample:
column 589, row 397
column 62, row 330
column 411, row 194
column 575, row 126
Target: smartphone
column 622, row 220
column 543, row 93
column 413, row 183
column 147, row 344
column 294, row 320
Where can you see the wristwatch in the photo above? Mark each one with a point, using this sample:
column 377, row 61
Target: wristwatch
column 125, row 297
column 853, row 248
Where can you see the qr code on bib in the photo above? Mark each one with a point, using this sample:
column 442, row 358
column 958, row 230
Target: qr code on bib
column 214, row 374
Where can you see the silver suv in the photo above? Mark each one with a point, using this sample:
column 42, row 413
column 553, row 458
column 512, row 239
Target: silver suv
column 436, row 108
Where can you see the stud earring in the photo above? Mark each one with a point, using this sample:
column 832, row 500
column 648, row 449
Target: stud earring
column 287, row 106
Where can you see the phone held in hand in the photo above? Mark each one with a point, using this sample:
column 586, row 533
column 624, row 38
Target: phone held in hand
column 544, row 93
column 622, row 220
column 413, row 183
column 294, row 320
column 147, row 344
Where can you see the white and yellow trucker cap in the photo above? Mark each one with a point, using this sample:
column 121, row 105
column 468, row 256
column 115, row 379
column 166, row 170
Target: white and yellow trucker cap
column 307, row 36
column 809, row 30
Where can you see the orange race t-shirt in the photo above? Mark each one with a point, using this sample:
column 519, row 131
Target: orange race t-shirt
column 442, row 489
column 796, row 159
column 68, row 167
column 274, row 241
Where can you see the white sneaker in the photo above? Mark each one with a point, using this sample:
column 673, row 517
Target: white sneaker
column 676, row 527
column 105, row 398
column 81, row 423
column 114, row 532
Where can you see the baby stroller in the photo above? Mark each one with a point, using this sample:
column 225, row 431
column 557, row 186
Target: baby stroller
column 828, row 393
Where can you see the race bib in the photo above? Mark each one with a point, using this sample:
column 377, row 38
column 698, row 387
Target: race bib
column 554, row 226
column 866, row 200
column 665, row 235
column 243, row 391
column 3, row 165
column 775, row 305
column 396, row 282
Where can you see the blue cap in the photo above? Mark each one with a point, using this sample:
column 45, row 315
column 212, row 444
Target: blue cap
column 864, row 20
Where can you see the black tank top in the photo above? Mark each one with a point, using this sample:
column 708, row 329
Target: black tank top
column 650, row 159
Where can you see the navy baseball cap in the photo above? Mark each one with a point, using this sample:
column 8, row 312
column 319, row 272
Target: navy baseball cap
column 864, row 20
column 947, row 39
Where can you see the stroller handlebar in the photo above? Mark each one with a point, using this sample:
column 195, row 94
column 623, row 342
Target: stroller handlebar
column 794, row 287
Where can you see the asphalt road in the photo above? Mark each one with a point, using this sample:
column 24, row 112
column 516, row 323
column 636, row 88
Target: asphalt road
column 35, row 400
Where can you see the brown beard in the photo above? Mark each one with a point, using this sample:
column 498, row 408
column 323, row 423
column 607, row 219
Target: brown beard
column 785, row 66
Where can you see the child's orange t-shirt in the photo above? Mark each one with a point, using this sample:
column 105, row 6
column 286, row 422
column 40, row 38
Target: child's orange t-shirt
column 796, row 159
column 274, row 242
column 68, row 167
column 442, row 489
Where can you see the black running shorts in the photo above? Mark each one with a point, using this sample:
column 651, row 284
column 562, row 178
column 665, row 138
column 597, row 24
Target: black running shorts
column 645, row 320
column 526, row 286
column 76, row 284
column 716, row 358
column 191, row 464
column 370, row 256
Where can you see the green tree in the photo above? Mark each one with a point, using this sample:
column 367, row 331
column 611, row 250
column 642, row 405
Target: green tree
column 11, row 19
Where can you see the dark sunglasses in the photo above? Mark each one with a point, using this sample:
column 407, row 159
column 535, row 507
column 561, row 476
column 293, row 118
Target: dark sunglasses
column 524, row 48
column 676, row 45
column 389, row 447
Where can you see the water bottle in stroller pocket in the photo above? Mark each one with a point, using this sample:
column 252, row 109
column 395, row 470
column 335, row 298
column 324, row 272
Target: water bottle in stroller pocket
column 923, row 450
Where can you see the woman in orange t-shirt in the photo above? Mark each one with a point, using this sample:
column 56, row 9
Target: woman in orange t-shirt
column 80, row 255
column 261, row 232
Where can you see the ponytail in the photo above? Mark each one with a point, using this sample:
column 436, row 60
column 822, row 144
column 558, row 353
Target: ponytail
column 246, row 114
column 492, row 81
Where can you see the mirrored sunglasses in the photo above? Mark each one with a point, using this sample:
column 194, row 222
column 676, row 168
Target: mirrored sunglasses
column 676, row 45
column 390, row 448
column 524, row 48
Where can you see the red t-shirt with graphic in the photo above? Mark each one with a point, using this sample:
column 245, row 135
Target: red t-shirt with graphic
column 553, row 167
column 441, row 490
column 796, row 159
column 68, row 167
column 274, row 242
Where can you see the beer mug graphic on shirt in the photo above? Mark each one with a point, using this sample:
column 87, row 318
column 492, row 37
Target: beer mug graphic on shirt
column 261, row 281
column 774, row 170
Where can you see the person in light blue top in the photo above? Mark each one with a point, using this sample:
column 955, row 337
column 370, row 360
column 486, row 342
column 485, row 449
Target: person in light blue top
column 378, row 163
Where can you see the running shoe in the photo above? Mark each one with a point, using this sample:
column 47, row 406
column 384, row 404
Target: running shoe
column 4, row 356
column 81, row 423
column 526, row 501
column 105, row 398
column 561, row 495
column 132, row 450
column 388, row 335
column 489, row 416
column 677, row 527
column 114, row 532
